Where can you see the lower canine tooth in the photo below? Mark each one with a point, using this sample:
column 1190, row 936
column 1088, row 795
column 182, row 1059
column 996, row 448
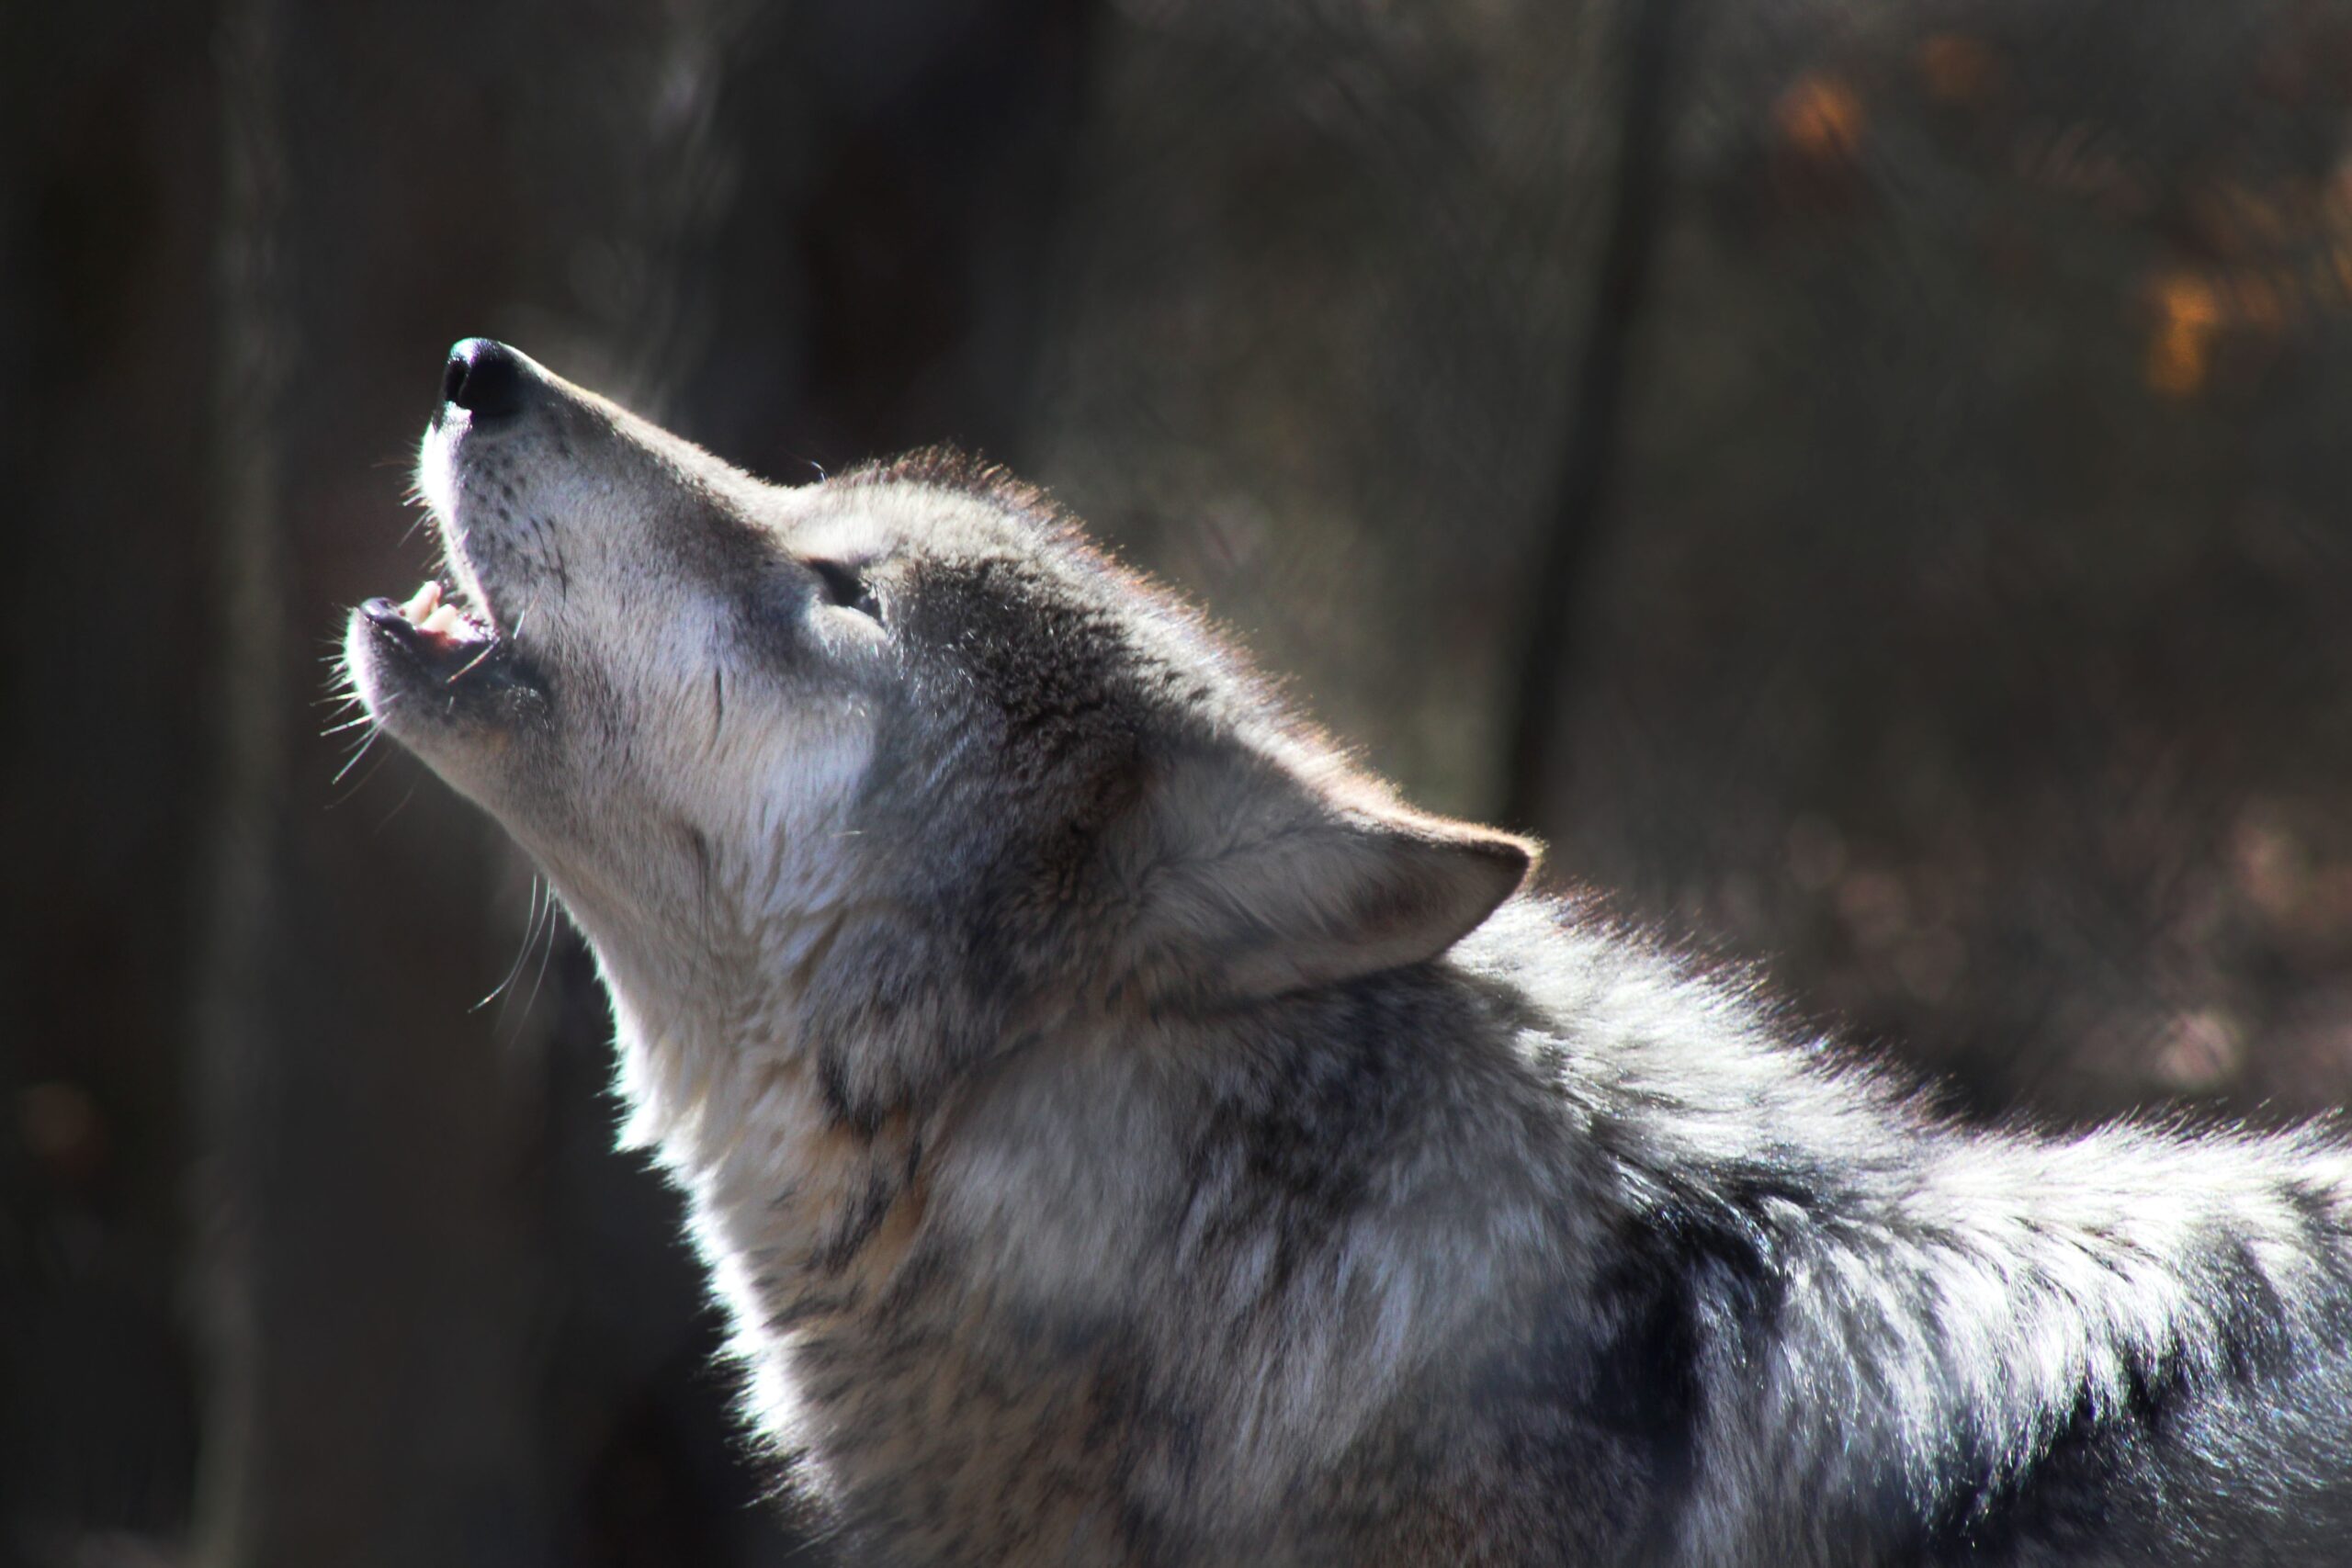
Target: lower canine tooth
column 427, row 599
column 443, row 621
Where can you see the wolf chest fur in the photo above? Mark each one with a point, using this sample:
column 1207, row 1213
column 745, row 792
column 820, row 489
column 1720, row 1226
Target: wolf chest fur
column 1124, row 1133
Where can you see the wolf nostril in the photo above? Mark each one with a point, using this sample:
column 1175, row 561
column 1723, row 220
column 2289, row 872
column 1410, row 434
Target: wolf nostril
column 483, row 377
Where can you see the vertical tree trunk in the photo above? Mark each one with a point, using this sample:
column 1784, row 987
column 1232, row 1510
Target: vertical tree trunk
column 233, row 1028
column 1653, row 33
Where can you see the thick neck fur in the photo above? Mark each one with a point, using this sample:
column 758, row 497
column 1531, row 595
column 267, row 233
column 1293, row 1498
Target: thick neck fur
column 719, row 1067
column 1310, row 1217
column 1021, row 1175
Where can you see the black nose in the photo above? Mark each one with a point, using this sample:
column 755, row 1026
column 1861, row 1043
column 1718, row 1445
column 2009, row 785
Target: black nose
column 485, row 379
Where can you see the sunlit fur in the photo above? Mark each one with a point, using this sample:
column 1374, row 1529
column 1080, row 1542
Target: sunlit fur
column 1122, row 1133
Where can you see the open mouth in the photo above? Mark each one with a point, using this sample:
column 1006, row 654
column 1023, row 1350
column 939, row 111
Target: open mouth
column 444, row 637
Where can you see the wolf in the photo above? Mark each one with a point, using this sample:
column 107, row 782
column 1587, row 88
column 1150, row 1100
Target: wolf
column 1123, row 1132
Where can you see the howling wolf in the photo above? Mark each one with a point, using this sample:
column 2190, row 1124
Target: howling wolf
column 1124, row 1133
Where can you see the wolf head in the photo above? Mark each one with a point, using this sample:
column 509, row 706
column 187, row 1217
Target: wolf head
column 901, row 744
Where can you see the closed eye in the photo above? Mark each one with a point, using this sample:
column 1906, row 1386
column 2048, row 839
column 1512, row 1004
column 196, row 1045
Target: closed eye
column 844, row 585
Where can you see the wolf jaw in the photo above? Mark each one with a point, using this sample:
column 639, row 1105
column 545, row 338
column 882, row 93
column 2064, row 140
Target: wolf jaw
column 448, row 630
column 436, row 628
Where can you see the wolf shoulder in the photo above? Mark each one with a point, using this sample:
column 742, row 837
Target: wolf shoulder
column 1560, row 1250
column 1804, row 1319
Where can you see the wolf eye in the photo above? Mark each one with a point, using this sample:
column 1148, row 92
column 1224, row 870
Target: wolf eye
column 844, row 585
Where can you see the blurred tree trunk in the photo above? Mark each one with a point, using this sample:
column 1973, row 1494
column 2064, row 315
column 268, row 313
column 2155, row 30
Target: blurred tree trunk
column 368, row 1267
column 1652, row 34
column 236, row 1030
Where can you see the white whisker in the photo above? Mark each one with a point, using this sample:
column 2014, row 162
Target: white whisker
column 530, row 928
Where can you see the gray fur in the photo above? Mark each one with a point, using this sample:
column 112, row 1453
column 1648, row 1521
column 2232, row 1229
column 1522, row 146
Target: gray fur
column 1123, row 1134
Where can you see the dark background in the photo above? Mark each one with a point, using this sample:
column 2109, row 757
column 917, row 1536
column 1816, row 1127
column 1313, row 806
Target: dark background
column 1865, row 482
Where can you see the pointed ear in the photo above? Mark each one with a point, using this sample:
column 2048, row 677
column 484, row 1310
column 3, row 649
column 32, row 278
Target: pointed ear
column 1252, row 876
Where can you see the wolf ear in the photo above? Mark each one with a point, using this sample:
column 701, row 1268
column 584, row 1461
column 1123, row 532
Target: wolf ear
column 1252, row 876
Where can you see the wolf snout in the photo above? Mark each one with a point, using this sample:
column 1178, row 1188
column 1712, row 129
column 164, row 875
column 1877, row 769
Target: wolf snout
column 487, row 379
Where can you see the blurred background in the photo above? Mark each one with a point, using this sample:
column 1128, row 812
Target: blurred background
column 1866, row 482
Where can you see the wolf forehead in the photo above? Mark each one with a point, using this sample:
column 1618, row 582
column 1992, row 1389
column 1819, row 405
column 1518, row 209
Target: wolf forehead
column 999, row 600
column 997, row 603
